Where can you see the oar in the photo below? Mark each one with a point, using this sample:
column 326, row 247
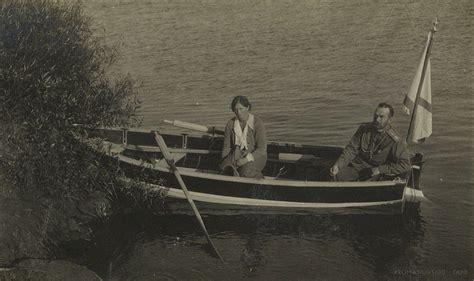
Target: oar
column 194, row 126
column 169, row 159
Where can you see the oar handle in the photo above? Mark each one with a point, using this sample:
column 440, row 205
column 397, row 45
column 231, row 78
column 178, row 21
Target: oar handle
column 194, row 126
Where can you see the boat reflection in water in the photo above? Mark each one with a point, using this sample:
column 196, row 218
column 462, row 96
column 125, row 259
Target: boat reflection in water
column 255, row 244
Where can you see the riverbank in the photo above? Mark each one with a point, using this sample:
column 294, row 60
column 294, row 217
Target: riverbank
column 31, row 230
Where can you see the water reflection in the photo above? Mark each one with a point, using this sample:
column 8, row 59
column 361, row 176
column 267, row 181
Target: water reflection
column 254, row 245
column 387, row 243
column 252, row 256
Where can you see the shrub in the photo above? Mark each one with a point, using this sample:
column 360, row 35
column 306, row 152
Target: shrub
column 52, row 75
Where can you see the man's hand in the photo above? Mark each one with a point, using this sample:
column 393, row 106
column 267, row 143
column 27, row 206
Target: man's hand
column 375, row 171
column 241, row 162
column 334, row 170
column 368, row 173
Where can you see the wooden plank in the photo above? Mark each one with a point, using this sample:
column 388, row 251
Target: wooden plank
column 294, row 157
column 156, row 149
column 283, row 157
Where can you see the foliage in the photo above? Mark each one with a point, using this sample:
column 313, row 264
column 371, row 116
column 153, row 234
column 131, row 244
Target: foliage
column 53, row 75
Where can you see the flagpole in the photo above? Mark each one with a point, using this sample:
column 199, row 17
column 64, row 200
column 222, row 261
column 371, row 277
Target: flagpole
column 422, row 78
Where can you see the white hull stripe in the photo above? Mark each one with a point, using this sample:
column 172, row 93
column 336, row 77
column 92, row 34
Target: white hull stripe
column 413, row 195
column 219, row 199
column 290, row 183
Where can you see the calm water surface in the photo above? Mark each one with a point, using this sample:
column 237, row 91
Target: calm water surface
column 313, row 70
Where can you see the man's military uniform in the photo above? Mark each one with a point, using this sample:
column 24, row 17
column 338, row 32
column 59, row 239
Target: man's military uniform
column 369, row 148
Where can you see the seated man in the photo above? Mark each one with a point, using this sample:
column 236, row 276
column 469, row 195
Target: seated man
column 374, row 150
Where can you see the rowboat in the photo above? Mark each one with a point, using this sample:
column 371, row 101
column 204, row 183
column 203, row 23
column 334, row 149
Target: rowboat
column 289, row 177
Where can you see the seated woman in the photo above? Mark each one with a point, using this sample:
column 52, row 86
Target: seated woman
column 245, row 142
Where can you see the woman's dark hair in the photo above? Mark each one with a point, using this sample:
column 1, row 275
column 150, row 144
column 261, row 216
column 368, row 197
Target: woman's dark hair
column 386, row 105
column 242, row 100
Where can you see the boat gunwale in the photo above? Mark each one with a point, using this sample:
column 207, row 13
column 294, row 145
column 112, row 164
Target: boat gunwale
column 270, row 182
column 193, row 134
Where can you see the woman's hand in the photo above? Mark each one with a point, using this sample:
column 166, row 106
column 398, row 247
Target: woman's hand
column 241, row 162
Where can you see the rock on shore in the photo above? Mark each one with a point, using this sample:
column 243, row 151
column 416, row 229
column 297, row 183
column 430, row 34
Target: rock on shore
column 25, row 232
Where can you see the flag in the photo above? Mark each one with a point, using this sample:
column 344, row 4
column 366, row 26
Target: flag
column 421, row 125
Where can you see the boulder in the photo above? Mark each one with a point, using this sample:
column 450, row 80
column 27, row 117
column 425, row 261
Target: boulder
column 55, row 270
